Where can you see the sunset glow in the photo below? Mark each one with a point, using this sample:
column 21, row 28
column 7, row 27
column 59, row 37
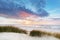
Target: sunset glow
column 28, row 22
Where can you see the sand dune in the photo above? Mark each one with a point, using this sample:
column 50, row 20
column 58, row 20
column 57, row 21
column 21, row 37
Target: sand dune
column 17, row 36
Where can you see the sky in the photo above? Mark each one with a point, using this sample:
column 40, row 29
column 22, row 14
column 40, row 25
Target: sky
column 53, row 7
column 19, row 8
column 32, row 10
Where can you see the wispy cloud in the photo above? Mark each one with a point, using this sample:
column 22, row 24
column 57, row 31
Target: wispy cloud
column 12, row 7
column 54, row 13
column 27, row 22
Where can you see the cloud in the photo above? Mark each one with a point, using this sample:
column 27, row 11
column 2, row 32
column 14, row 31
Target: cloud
column 12, row 7
column 21, row 22
column 54, row 13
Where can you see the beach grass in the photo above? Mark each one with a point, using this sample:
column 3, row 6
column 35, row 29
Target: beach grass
column 40, row 33
column 33, row 33
column 12, row 29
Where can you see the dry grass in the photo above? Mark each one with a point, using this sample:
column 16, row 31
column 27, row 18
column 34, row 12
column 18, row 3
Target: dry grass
column 38, row 33
column 57, row 35
column 12, row 29
column 43, row 33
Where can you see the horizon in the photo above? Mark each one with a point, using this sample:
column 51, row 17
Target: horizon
column 47, row 13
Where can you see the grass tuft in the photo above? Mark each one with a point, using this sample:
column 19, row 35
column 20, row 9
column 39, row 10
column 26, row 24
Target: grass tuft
column 12, row 29
column 40, row 33
column 36, row 33
column 57, row 35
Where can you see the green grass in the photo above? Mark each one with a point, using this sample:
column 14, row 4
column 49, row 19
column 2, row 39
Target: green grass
column 12, row 29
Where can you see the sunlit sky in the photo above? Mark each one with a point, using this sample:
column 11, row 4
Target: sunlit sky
column 27, row 11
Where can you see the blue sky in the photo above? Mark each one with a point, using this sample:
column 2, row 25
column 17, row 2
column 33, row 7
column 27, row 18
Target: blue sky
column 53, row 7
column 35, row 7
column 32, row 9
column 12, row 7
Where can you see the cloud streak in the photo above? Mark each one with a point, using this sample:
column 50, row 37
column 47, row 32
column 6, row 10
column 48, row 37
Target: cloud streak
column 8, row 21
column 12, row 7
